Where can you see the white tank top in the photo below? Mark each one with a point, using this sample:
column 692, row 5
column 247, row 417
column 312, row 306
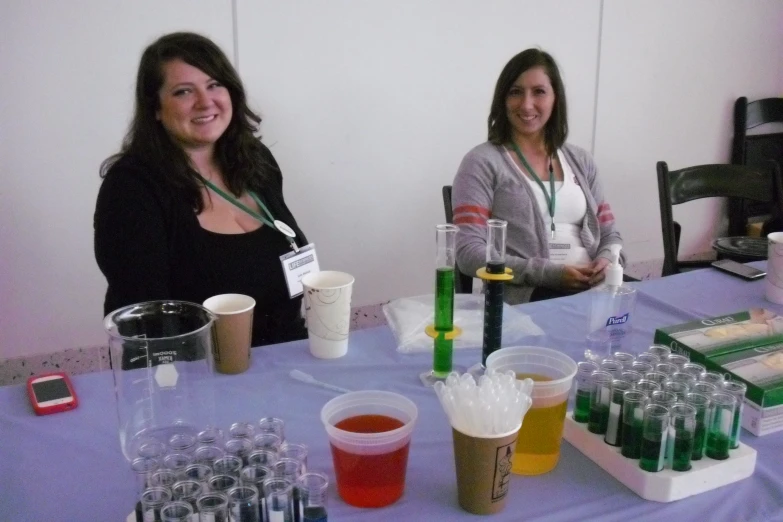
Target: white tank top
column 570, row 208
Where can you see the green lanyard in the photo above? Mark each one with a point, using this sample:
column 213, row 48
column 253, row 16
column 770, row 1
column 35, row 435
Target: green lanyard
column 271, row 222
column 550, row 200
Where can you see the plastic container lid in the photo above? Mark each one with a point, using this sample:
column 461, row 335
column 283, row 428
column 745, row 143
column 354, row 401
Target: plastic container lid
column 369, row 402
column 537, row 360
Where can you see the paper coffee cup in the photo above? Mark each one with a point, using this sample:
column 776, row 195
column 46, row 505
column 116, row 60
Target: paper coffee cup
column 774, row 284
column 483, row 470
column 327, row 299
column 233, row 331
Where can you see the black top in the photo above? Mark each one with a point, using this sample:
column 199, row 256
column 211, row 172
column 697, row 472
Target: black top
column 150, row 245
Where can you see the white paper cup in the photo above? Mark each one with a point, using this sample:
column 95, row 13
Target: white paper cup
column 327, row 298
column 774, row 284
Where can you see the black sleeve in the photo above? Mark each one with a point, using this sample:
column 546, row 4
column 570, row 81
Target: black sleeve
column 131, row 245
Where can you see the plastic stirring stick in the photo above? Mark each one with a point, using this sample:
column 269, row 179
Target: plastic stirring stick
column 309, row 379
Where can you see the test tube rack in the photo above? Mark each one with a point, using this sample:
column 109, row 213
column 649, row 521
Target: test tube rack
column 666, row 485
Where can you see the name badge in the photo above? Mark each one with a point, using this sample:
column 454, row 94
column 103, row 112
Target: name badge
column 296, row 265
column 558, row 252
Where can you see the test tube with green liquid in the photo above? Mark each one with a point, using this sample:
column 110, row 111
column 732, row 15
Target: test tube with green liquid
column 738, row 390
column 701, row 403
column 584, row 383
column 634, row 402
column 445, row 240
column 720, row 425
column 655, row 429
column 683, row 424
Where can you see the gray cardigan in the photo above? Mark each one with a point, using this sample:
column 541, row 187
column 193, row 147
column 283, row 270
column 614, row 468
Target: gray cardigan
column 488, row 185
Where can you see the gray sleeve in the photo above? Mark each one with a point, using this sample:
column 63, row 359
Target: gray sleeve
column 606, row 222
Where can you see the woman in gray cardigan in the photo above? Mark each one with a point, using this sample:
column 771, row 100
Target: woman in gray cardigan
column 559, row 224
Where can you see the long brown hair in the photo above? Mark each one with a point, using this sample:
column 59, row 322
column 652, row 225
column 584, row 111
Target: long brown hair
column 237, row 151
column 556, row 129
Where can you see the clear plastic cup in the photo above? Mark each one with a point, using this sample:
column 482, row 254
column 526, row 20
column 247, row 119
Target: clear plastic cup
column 369, row 433
column 538, row 446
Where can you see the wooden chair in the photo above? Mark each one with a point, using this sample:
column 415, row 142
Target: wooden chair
column 754, row 151
column 464, row 283
column 675, row 187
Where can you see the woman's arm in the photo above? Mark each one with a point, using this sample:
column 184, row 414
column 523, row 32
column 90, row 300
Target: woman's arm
column 131, row 245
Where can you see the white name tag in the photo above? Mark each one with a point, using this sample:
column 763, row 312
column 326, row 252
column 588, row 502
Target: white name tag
column 558, row 251
column 296, row 265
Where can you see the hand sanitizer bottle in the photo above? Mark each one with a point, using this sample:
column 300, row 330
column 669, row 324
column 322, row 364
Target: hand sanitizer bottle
column 611, row 310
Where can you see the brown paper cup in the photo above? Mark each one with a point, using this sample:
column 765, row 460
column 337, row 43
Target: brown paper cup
column 232, row 331
column 483, row 470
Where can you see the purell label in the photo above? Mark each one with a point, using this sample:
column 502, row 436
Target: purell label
column 621, row 319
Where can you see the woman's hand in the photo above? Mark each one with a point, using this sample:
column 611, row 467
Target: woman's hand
column 597, row 270
column 576, row 278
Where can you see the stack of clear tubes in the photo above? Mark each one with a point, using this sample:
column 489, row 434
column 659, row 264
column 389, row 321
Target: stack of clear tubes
column 234, row 476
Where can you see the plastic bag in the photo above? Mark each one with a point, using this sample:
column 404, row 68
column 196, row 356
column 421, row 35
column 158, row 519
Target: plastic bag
column 409, row 316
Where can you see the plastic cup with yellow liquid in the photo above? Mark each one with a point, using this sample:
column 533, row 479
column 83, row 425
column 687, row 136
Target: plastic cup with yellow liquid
column 538, row 445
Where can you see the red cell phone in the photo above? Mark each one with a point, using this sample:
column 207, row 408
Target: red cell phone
column 51, row 393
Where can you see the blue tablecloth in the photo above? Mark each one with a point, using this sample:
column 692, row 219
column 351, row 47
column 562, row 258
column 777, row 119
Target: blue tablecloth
column 69, row 466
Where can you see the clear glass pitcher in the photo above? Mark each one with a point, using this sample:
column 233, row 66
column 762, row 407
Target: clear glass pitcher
column 161, row 356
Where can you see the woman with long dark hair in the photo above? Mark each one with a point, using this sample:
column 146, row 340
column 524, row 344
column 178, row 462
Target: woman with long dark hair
column 559, row 224
column 165, row 225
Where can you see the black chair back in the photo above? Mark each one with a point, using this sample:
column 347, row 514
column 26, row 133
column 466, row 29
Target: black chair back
column 464, row 283
column 753, row 150
column 705, row 181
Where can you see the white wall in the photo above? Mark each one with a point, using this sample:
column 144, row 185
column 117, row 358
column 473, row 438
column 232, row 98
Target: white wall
column 670, row 73
column 68, row 71
column 368, row 106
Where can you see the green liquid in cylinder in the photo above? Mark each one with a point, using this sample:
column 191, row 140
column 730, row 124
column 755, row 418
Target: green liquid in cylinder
column 632, row 439
column 651, row 455
column 582, row 406
column 444, row 321
column 718, row 446
column 698, row 441
column 599, row 418
column 683, row 447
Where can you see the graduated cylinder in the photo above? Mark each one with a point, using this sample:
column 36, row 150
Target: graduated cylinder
column 445, row 254
column 493, row 289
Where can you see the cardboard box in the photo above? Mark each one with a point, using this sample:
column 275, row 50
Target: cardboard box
column 749, row 346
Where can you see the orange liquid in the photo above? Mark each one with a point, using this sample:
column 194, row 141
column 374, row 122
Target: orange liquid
column 370, row 480
column 538, row 445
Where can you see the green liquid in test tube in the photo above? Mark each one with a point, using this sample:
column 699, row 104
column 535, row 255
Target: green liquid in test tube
column 582, row 406
column 444, row 320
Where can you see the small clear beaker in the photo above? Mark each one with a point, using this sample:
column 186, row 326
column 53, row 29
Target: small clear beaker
column 679, row 389
column 272, row 425
column 182, row 443
column 153, row 500
column 187, row 491
column 642, row 366
column 228, row 465
column 723, row 406
column 164, row 478
column 655, row 428
column 198, row 472
column 648, row 358
column 683, row 422
column 666, row 368
column 685, row 378
column 584, row 383
column 176, row 511
column 656, row 377
column 312, row 496
column 702, row 404
column 279, row 496
column 677, row 359
column 738, row 390
column 611, row 366
column 222, row 483
column 624, row 358
column 177, row 462
column 208, row 455
column 294, row 451
column 262, row 457
column 647, row 386
column 244, row 430
column 290, row 469
column 634, row 402
column 143, row 468
column 707, row 388
column 695, row 369
column 664, row 398
column 600, row 399
column 210, row 436
column 713, row 378
column 243, row 504
column 631, row 376
column 661, row 351
column 213, row 507
column 268, row 441
column 614, row 426
column 239, row 447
